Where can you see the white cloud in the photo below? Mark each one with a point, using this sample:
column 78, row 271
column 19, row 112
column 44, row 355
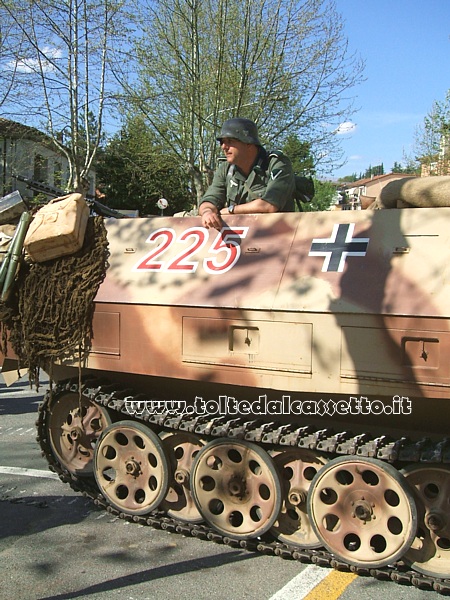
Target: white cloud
column 346, row 127
column 32, row 65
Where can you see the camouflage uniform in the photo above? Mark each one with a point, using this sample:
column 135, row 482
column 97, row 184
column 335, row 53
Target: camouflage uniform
column 271, row 179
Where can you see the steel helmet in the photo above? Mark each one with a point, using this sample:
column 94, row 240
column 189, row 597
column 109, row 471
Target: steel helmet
column 240, row 129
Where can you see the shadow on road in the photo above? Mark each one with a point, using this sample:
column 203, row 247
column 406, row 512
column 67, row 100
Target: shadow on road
column 19, row 398
column 33, row 514
column 148, row 575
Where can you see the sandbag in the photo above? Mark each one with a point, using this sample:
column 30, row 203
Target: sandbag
column 419, row 192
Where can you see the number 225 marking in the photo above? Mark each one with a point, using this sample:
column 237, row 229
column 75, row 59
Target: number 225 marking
column 223, row 253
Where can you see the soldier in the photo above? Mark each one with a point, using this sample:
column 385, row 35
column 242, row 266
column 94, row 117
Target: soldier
column 249, row 180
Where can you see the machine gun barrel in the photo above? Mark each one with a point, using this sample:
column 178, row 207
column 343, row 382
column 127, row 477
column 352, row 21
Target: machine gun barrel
column 15, row 254
column 4, row 266
column 99, row 208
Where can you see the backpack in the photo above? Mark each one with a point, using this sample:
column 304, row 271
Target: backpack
column 304, row 190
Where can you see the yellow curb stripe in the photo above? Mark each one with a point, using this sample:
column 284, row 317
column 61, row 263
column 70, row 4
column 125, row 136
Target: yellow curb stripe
column 332, row 586
column 303, row 583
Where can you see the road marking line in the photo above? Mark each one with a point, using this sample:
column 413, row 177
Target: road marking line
column 32, row 429
column 315, row 583
column 28, row 472
column 301, row 584
column 332, row 586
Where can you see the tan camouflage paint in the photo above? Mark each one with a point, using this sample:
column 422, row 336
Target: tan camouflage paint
column 277, row 318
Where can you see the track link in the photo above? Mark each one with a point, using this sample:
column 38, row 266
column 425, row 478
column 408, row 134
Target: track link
column 273, row 435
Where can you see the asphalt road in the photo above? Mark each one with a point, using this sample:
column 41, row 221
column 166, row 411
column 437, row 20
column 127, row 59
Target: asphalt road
column 56, row 545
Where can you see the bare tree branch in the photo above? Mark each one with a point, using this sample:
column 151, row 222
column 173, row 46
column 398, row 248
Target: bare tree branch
column 283, row 63
column 65, row 63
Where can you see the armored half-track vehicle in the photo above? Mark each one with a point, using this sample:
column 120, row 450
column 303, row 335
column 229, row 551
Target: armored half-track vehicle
column 282, row 385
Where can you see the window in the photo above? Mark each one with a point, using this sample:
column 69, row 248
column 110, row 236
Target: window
column 40, row 171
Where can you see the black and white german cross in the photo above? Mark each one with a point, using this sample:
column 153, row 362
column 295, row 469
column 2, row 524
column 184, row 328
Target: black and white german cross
column 340, row 245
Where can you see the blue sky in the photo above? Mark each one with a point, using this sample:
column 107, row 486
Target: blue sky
column 406, row 46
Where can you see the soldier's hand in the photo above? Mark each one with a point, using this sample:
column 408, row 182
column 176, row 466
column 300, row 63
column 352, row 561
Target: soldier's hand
column 211, row 219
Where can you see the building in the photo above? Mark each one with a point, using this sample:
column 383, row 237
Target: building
column 26, row 152
column 360, row 194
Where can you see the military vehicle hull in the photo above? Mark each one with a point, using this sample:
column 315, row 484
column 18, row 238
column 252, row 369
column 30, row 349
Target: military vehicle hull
column 335, row 306
column 282, row 384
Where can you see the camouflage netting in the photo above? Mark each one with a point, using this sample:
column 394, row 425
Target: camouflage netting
column 49, row 314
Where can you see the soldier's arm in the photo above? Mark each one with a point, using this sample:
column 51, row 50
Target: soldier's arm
column 254, row 206
column 281, row 182
column 213, row 200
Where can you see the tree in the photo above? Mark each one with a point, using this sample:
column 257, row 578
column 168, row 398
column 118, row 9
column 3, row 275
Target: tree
column 12, row 42
column 408, row 168
column 135, row 172
column 64, row 65
column 373, row 171
column 283, row 63
column 348, row 178
column 432, row 139
column 300, row 155
column 397, row 168
column 324, row 196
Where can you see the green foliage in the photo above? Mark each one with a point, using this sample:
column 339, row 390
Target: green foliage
column 372, row 172
column 433, row 137
column 324, row 197
column 348, row 178
column 134, row 172
column 38, row 200
column 300, row 155
column 409, row 168
column 397, row 168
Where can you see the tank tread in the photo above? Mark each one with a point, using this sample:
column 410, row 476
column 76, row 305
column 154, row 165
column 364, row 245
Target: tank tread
column 383, row 448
